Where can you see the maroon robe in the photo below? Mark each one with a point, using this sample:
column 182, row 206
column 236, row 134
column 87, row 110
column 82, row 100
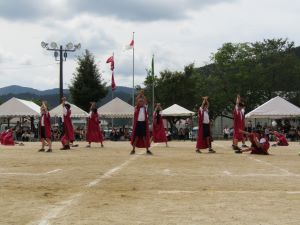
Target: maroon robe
column 238, row 124
column 263, row 150
column 93, row 133
column 140, row 141
column 158, row 133
column 68, row 128
column 47, row 124
column 281, row 139
column 201, row 142
column 7, row 138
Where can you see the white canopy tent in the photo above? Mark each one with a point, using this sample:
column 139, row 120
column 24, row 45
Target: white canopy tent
column 116, row 108
column 275, row 108
column 76, row 111
column 18, row 108
column 177, row 111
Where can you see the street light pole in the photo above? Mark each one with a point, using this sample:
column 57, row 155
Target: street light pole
column 62, row 57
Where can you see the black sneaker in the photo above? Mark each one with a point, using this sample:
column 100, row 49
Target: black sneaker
column 149, row 152
column 238, row 152
column 132, row 152
column 198, row 151
column 245, row 146
column 211, row 151
column 49, row 150
column 236, row 148
column 41, row 150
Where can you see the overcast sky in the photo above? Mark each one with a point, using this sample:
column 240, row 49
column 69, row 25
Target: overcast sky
column 177, row 32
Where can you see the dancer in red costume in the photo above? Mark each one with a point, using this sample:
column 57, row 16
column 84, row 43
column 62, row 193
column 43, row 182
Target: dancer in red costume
column 158, row 133
column 140, row 136
column 259, row 144
column 68, row 136
column 93, row 133
column 204, row 134
column 45, row 128
column 7, row 137
column 280, row 138
column 238, row 124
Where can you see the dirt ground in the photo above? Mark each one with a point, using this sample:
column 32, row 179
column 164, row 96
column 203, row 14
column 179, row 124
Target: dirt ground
column 174, row 186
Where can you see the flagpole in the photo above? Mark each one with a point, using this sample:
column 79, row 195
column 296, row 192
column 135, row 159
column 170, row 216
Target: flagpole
column 133, row 70
column 112, row 92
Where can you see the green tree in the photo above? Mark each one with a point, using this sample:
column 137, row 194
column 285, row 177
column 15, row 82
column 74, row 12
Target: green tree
column 87, row 84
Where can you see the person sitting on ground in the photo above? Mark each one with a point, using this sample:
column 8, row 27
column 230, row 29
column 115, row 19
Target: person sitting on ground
column 259, row 144
column 280, row 139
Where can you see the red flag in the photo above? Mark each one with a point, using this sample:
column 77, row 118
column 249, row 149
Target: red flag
column 113, row 84
column 130, row 46
column 112, row 62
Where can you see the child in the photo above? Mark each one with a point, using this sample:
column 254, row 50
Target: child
column 68, row 136
column 204, row 134
column 140, row 136
column 280, row 138
column 158, row 133
column 93, row 133
column 45, row 128
column 238, row 123
column 259, row 144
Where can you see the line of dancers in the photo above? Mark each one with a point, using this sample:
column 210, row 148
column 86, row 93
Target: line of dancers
column 140, row 137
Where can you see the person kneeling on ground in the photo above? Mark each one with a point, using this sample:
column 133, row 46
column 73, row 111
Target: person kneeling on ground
column 259, row 144
column 280, row 139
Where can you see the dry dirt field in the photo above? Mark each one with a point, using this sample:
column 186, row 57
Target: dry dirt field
column 174, row 186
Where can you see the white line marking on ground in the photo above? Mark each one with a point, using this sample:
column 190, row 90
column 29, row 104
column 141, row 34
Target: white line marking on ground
column 52, row 214
column 229, row 191
column 33, row 174
column 227, row 173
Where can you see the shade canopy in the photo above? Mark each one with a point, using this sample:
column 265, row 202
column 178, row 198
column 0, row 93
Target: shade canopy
column 116, row 108
column 275, row 108
column 177, row 111
column 76, row 111
column 17, row 107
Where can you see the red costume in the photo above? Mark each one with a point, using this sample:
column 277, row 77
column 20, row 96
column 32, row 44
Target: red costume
column 94, row 133
column 158, row 133
column 68, row 127
column 201, row 141
column 238, row 124
column 7, row 138
column 263, row 150
column 140, row 141
column 47, row 124
column 281, row 139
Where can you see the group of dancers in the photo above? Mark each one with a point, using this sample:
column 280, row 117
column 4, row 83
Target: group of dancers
column 140, row 137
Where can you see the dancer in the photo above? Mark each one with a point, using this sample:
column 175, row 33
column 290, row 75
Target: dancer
column 45, row 128
column 140, row 136
column 280, row 139
column 7, row 137
column 259, row 144
column 93, row 133
column 238, row 124
column 158, row 133
column 68, row 136
column 204, row 135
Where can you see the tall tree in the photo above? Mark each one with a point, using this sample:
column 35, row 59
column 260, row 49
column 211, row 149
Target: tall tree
column 87, row 84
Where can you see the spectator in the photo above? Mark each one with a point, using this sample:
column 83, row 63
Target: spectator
column 226, row 133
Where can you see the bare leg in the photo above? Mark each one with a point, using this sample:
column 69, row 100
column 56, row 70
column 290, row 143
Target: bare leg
column 49, row 144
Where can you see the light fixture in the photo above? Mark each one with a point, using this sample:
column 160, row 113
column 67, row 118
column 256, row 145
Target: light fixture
column 53, row 45
column 70, row 46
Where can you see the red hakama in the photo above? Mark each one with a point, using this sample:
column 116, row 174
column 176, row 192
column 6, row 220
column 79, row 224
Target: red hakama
column 238, row 124
column 140, row 141
column 47, row 125
column 7, row 138
column 68, row 128
column 258, row 150
column 158, row 133
column 94, row 133
column 201, row 141
column 281, row 139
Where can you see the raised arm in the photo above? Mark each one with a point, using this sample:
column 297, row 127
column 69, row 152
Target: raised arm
column 238, row 99
column 63, row 101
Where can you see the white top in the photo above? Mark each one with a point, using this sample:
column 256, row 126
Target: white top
column 205, row 116
column 42, row 120
column 262, row 140
column 142, row 116
column 65, row 111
